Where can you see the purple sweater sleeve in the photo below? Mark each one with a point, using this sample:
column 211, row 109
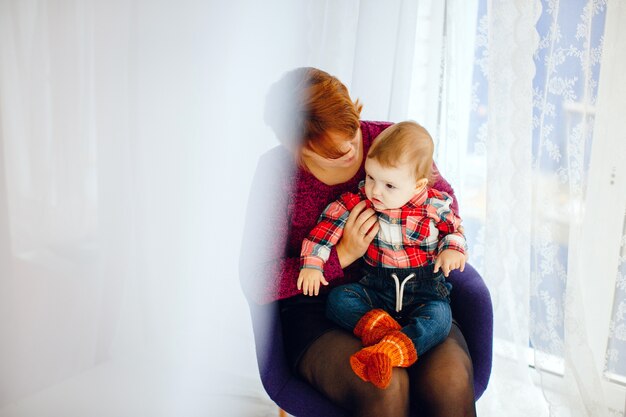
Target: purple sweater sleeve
column 442, row 185
column 269, row 262
column 263, row 267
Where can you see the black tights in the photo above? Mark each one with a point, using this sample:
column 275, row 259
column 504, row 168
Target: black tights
column 440, row 383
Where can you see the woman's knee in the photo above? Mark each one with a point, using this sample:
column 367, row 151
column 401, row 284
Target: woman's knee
column 448, row 392
column 391, row 401
column 443, row 383
column 455, row 381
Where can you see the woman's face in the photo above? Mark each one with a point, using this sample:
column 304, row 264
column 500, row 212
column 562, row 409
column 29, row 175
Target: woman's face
column 350, row 147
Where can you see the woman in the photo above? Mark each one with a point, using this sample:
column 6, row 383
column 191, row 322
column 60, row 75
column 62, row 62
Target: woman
column 322, row 156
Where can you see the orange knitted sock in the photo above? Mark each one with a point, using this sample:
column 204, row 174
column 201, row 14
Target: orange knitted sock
column 374, row 325
column 375, row 363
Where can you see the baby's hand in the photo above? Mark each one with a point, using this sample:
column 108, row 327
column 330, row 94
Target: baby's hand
column 449, row 260
column 309, row 281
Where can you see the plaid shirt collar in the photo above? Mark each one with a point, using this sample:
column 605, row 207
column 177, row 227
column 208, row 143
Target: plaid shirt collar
column 415, row 201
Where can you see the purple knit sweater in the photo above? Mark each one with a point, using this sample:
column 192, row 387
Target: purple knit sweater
column 285, row 204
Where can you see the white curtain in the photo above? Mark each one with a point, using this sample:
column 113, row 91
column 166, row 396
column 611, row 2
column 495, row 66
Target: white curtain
column 129, row 134
column 543, row 194
column 531, row 144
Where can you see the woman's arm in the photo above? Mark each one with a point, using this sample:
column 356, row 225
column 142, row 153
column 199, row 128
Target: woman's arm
column 266, row 272
column 269, row 263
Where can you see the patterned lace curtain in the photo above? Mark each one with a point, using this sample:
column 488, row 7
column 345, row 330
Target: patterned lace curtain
column 528, row 191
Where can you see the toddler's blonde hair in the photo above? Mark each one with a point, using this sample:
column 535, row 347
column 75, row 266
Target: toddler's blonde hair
column 405, row 142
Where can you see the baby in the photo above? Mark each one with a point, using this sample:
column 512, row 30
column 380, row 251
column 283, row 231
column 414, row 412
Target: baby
column 401, row 307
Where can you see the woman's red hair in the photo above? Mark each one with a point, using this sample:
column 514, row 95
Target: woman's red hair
column 307, row 104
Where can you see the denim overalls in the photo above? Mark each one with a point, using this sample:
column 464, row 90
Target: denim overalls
column 417, row 298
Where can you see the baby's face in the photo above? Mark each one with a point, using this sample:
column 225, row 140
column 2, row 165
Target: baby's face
column 390, row 187
column 350, row 147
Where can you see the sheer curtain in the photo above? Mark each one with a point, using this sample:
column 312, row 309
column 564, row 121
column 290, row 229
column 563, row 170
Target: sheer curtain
column 544, row 200
column 129, row 135
column 530, row 142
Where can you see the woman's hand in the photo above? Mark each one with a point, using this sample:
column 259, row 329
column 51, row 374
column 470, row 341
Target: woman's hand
column 449, row 260
column 359, row 231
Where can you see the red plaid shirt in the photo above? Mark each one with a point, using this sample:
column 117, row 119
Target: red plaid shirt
column 409, row 237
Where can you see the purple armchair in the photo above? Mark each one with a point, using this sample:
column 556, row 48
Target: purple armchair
column 471, row 307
